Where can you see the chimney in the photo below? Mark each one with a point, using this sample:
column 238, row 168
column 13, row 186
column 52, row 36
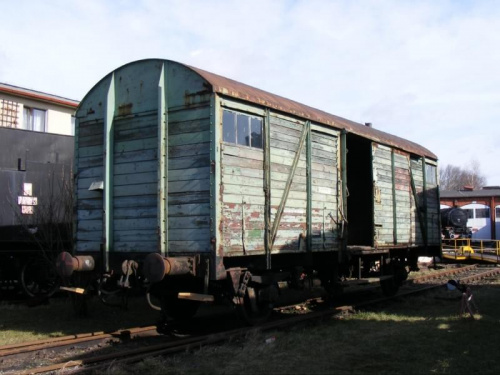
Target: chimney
column 369, row 124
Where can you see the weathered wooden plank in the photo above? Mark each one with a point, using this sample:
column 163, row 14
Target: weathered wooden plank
column 202, row 148
column 228, row 160
column 84, row 152
column 188, row 222
column 85, row 194
column 89, row 236
column 136, row 178
column 144, row 132
column 136, row 156
column 242, row 152
column 86, row 214
column 135, row 145
column 90, row 225
column 136, row 201
column 189, row 197
column 88, row 246
column 188, row 162
column 139, row 189
column 189, row 209
column 139, row 246
column 188, row 174
column 94, row 172
column 136, row 167
column 184, row 114
column 189, row 185
column 192, row 126
column 137, row 212
column 189, row 138
column 137, row 235
column 228, row 179
column 198, row 234
column 189, row 246
column 92, row 130
column 135, row 223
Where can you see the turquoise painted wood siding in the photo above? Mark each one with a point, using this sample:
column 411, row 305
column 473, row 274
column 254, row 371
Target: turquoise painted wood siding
column 189, row 178
column 243, row 198
column 89, row 204
column 132, row 97
column 383, row 208
column 427, row 203
column 393, row 204
column 135, row 181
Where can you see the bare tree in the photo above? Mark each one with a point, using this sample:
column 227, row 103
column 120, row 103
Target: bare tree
column 452, row 177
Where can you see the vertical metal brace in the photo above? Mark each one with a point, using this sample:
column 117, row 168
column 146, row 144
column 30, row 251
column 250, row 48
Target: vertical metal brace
column 417, row 208
column 215, row 181
column 343, row 193
column 284, row 198
column 108, row 172
column 163, row 161
column 424, row 192
column 309, row 187
column 75, row 182
column 267, row 188
column 394, row 207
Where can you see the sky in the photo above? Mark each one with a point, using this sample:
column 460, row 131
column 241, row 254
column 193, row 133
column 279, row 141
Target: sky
column 427, row 71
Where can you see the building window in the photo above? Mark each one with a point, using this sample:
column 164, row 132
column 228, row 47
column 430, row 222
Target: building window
column 497, row 213
column 482, row 213
column 73, row 125
column 430, row 174
column 8, row 113
column 34, row 119
column 241, row 129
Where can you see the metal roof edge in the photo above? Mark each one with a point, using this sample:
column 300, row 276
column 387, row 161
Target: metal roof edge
column 37, row 95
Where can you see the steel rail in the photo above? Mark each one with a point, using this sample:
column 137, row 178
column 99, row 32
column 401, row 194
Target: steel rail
column 58, row 342
column 135, row 355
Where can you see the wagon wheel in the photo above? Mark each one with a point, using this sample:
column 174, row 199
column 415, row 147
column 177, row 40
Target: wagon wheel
column 171, row 306
column 256, row 306
column 179, row 309
column 389, row 286
column 39, row 278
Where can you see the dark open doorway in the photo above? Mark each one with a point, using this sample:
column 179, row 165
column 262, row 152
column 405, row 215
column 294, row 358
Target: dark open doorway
column 360, row 187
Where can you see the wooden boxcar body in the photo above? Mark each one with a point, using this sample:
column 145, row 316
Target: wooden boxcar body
column 221, row 180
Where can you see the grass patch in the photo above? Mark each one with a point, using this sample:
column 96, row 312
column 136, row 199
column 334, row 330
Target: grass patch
column 20, row 323
column 419, row 335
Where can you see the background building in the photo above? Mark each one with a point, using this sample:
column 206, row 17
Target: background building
column 36, row 162
column 26, row 109
column 482, row 206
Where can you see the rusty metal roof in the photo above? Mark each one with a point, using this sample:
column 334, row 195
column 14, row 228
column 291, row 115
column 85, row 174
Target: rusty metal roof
column 229, row 87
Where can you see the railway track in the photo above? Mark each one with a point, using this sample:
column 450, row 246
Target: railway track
column 168, row 345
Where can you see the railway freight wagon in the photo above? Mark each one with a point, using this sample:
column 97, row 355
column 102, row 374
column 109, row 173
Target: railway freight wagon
column 208, row 188
column 35, row 208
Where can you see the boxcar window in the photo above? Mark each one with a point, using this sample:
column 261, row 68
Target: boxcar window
column 229, row 127
column 242, row 129
column 430, row 174
column 256, row 132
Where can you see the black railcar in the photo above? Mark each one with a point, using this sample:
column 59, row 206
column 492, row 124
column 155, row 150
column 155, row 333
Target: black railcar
column 35, row 208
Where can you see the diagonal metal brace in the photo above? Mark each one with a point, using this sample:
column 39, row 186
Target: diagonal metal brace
column 288, row 185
